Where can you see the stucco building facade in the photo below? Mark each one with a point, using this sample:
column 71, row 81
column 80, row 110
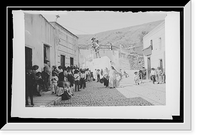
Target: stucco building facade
column 39, row 41
column 48, row 41
column 66, row 49
column 154, row 48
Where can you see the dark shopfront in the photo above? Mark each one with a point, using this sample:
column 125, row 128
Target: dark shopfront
column 147, row 52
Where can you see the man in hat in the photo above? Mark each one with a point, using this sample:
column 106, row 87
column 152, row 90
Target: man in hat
column 35, row 84
column 48, row 71
column 95, row 45
column 29, row 86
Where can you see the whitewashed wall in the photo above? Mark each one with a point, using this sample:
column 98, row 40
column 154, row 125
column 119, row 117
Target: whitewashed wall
column 66, row 44
column 37, row 33
column 158, row 47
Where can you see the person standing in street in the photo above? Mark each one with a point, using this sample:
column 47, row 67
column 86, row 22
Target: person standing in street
column 112, row 78
column 118, row 78
column 82, row 79
column 141, row 76
column 136, row 78
column 35, row 83
column 55, row 70
column 60, row 77
column 48, row 71
column 159, row 74
column 70, row 77
column 106, row 77
column 39, row 82
column 96, row 46
column 77, row 80
column 98, row 75
column 60, row 69
column 45, row 77
column 29, row 87
column 164, row 76
column 153, row 75
column 54, row 81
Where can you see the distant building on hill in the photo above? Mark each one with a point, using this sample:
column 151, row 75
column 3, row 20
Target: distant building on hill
column 118, row 57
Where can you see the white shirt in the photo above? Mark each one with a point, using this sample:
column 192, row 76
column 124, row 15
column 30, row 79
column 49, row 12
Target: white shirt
column 54, row 79
column 76, row 76
column 83, row 75
column 153, row 72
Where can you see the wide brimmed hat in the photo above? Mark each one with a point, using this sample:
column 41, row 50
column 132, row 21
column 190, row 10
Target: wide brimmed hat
column 35, row 67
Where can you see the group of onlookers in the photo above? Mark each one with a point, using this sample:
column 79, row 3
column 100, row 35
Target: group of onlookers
column 139, row 76
column 110, row 78
column 61, row 81
column 157, row 75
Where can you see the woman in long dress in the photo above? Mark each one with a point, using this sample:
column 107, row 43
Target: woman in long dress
column 112, row 78
column 118, row 78
column 106, row 77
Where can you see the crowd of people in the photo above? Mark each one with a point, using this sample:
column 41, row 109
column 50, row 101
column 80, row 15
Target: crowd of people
column 110, row 78
column 61, row 81
column 64, row 81
column 157, row 76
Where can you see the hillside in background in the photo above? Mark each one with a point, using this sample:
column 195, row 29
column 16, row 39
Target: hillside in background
column 131, row 38
column 127, row 37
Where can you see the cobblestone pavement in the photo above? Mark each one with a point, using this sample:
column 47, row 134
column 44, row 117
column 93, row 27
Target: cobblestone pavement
column 95, row 94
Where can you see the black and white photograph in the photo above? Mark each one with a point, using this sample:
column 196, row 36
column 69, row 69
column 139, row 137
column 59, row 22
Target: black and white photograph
column 99, row 58
column 101, row 65
column 95, row 58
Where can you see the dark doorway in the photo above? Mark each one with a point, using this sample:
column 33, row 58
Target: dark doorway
column 161, row 64
column 62, row 60
column 46, row 53
column 71, row 61
column 149, row 66
column 28, row 57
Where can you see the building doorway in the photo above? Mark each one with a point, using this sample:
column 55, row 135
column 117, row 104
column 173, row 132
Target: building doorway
column 62, row 61
column 46, row 53
column 161, row 64
column 28, row 58
column 149, row 66
column 71, row 61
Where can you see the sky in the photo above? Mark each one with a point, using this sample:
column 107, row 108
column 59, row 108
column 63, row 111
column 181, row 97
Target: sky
column 91, row 22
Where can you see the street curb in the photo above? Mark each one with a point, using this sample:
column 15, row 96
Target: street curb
column 53, row 102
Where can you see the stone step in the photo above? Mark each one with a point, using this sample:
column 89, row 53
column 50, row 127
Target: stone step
column 46, row 99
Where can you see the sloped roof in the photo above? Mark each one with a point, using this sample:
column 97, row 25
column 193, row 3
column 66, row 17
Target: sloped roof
column 64, row 28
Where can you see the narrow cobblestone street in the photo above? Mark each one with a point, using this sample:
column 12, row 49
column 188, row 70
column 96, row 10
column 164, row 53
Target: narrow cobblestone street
column 95, row 94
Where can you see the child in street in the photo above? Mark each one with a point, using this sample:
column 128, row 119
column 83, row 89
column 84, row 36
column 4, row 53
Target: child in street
column 83, row 80
column 153, row 75
column 126, row 74
column 54, row 81
column 159, row 75
column 67, row 94
column 39, row 82
column 136, row 78
column 29, row 87
column 76, row 79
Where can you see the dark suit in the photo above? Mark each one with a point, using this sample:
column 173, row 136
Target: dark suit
column 29, row 87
